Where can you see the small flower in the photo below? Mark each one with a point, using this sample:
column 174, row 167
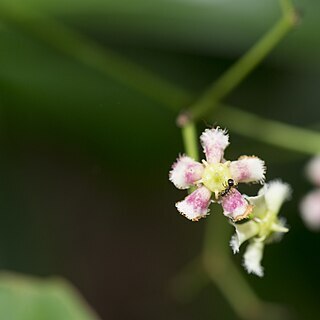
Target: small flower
column 313, row 170
column 310, row 210
column 310, row 204
column 264, row 227
column 212, row 177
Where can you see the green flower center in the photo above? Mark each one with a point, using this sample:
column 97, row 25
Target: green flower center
column 215, row 176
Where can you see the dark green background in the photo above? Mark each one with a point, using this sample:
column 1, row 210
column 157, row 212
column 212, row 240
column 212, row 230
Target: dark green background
column 85, row 160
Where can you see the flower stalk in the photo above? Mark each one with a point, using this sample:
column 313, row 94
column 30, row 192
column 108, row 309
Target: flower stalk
column 189, row 136
column 272, row 132
column 221, row 270
column 217, row 262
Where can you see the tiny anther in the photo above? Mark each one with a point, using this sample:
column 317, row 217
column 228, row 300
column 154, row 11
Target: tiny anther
column 205, row 163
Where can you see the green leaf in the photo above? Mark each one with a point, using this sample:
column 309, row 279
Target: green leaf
column 31, row 298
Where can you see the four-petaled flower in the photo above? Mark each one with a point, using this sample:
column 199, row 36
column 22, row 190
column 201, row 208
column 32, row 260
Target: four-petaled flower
column 212, row 177
column 264, row 228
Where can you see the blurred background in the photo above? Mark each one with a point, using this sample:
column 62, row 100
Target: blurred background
column 85, row 158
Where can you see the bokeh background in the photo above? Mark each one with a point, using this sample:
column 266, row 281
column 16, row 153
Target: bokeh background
column 85, row 158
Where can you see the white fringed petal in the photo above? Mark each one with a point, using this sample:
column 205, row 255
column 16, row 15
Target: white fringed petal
column 244, row 231
column 185, row 172
column 248, row 169
column 276, row 192
column 214, row 142
column 235, row 205
column 252, row 258
column 196, row 205
column 313, row 170
column 310, row 210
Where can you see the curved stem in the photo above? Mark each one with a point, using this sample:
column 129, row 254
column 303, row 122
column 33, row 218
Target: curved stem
column 80, row 47
column 216, row 265
column 221, row 270
column 235, row 75
column 287, row 7
column 113, row 65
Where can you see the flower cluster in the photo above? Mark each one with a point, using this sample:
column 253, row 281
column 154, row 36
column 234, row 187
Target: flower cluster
column 310, row 204
column 215, row 180
column 211, row 177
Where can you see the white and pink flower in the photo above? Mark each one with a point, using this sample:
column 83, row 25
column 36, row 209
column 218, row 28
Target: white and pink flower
column 211, row 178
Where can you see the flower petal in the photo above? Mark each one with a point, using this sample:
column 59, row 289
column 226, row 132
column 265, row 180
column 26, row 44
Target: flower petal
column 244, row 231
column 196, row 205
column 252, row 258
column 313, row 170
column 310, row 210
column 214, row 141
column 235, row 206
column 259, row 205
column 248, row 169
column 185, row 172
column 278, row 228
column 276, row 192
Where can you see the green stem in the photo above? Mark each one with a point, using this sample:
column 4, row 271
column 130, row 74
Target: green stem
column 287, row 7
column 269, row 131
column 189, row 281
column 80, row 47
column 221, row 270
column 113, row 65
column 234, row 76
column 189, row 136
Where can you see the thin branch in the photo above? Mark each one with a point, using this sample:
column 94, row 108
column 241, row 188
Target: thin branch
column 80, row 47
column 273, row 132
column 221, row 270
column 237, row 72
column 287, row 7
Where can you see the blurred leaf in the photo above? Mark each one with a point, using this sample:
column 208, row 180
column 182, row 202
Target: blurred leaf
column 225, row 27
column 28, row 298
